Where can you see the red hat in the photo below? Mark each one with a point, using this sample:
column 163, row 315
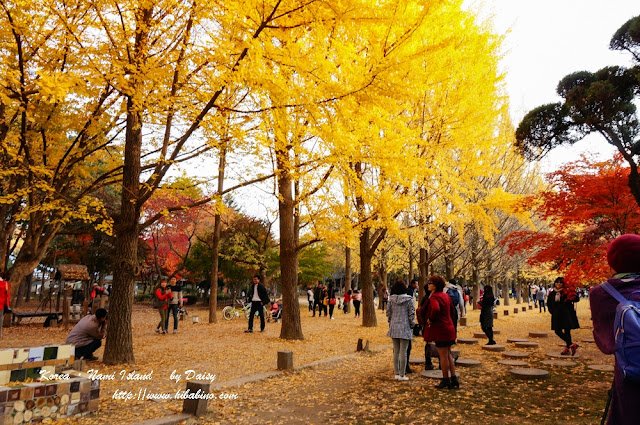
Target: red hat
column 623, row 254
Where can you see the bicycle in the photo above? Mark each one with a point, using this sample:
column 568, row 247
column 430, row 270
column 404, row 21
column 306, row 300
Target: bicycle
column 230, row 312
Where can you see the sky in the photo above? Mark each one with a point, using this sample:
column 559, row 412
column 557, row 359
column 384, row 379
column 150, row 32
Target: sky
column 548, row 39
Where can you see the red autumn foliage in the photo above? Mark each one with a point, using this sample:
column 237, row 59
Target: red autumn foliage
column 589, row 204
column 171, row 237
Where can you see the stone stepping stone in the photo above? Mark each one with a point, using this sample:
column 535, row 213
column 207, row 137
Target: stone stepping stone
column 515, row 354
column 530, row 373
column 538, row 335
column 494, row 348
column 517, row 340
column 455, row 353
column 416, row 360
column 560, row 356
column 482, row 334
column 589, row 340
column 434, row 374
column 527, row 344
column 513, row 362
column 468, row 340
column 562, row 363
column 601, row 367
column 468, row 362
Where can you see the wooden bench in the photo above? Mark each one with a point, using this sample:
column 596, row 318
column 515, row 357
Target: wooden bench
column 17, row 316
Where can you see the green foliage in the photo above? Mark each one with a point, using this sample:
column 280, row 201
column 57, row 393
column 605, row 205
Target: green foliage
column 628, row 38
column 313, row 264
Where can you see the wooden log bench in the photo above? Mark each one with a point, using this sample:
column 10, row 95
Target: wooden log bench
column 17, row 316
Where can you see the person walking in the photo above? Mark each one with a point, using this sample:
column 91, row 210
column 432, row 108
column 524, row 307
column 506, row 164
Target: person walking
column 401, row 316
column 310, row 298
column 174, row 304
column 347, row 301
column 623, row 256
column 331, row 295
column 541, row 294
column 486, row 313
column 259, row 298
column 439, row 328
column 563, row 314
column 385, row 297
column 317, row 299
column 163, row 296
column 357, row 299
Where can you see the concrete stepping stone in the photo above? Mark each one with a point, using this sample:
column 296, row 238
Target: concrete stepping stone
column 482, row 334
column 434, row 374
column 455, row 353
column 538, row 334
column 601, row 367
column 494, row 348
column 589, row 340
column 517, row 340
column 416, row 360
column 468, row 362
column 513, row 362
column 527, row 344
column 561, row 363
column 515, row 354
column 530, row 373
column 468, row 340
column 560, row 356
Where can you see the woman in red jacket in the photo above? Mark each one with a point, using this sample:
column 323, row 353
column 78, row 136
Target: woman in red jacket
column 163, row 296
column 439, row 328
column 5, row 299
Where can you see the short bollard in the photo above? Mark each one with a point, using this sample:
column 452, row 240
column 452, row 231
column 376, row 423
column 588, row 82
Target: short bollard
column 495, row 314
column 196, row 406
column 515, row 310
column 506, row 312
column 463, row 321
column 359, row 347
column 285, row 360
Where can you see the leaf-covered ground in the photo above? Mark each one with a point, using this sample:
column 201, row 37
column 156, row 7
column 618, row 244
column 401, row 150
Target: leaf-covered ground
column 357, row 389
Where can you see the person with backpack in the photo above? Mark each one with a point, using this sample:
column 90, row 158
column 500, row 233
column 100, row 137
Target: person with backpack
column 455, row 294
column 563, row 314
column 623, row 256
column 162, row 296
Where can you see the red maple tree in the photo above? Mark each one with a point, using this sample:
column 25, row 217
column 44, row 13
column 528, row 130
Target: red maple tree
column 588, row 205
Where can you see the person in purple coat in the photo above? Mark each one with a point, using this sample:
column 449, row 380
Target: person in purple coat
column 623, row 255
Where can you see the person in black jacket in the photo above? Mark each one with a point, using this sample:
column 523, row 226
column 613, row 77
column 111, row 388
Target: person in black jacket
column 259, row 298
column 486, row 313
column 563, row 314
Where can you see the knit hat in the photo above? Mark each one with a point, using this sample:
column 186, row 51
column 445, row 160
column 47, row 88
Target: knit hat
column 623, row 254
